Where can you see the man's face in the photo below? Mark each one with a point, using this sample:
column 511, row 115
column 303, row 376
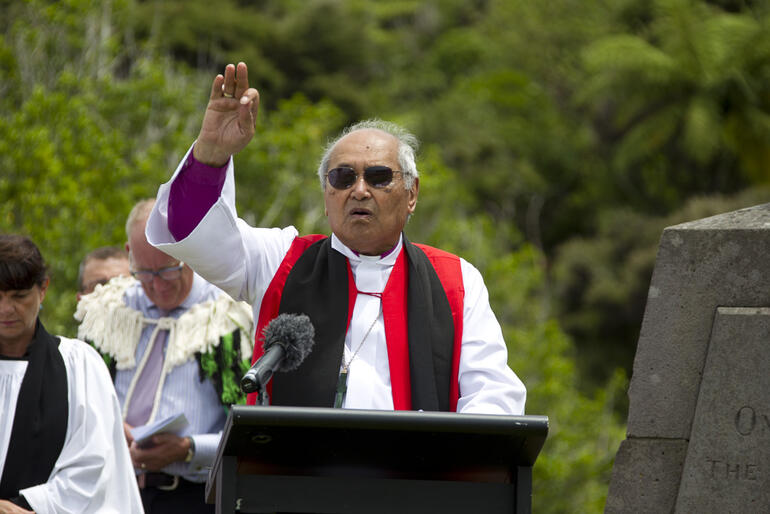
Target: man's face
column 165, row 294
column 100, row 271
column 366, row 219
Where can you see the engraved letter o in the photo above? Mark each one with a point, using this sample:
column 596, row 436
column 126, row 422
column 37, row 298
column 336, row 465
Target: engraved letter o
column 749, row 421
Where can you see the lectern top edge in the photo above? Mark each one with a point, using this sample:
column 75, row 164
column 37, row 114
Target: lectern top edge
column 532, row 425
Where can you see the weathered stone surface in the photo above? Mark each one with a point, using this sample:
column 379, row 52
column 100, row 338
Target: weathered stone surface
column 645, row 478
column 728, row 457
column 717, row 261
column 703, row 269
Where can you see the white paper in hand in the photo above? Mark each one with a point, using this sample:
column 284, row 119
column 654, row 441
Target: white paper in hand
column 172, row 424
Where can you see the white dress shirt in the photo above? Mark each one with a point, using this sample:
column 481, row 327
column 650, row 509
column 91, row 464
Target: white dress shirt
column 183, row 391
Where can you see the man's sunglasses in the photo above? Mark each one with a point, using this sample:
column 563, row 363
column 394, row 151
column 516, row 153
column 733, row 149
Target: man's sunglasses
column 343, row 177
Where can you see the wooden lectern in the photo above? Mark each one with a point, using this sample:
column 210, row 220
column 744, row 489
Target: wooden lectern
column 298, row 459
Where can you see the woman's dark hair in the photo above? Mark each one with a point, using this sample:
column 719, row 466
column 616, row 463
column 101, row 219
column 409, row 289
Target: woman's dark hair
column 21, row 264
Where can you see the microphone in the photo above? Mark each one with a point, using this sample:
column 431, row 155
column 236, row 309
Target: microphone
column 288, row 340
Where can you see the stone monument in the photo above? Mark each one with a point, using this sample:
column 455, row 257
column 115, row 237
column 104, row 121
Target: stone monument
column 698, row 436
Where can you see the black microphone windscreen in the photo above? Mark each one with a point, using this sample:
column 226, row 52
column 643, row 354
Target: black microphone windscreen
column 295, row 333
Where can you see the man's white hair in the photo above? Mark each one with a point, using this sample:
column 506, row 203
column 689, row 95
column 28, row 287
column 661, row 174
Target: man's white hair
column 407, row 148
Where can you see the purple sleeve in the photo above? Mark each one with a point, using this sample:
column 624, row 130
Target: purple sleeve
column 193, row 192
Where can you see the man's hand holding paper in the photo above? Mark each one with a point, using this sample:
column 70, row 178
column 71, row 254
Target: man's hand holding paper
column 156, row 445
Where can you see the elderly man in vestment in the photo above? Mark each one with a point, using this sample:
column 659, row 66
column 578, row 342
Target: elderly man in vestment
column 398, row 325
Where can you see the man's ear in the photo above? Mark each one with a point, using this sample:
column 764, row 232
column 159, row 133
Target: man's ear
column 412, row 202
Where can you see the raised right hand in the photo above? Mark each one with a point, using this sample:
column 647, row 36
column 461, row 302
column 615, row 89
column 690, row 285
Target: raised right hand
column 230, row 118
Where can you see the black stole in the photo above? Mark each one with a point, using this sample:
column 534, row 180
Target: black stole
column 318, row 287
column 40, row 421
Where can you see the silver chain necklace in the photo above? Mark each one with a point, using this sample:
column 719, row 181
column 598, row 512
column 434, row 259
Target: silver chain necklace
column 342, row 380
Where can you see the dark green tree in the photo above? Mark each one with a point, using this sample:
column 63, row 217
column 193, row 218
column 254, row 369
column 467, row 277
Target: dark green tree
column 684, row 103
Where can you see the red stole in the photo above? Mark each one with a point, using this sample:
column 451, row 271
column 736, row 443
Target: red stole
column 447, row 267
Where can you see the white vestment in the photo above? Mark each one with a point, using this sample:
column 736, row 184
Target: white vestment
column 93, row 473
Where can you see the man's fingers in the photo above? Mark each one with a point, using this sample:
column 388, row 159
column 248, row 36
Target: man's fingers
column 216, row 87
column 247, row 111
column 230, row 117
column 233, row 84
column 228, row 89
column 241, row 80
column 250, row 97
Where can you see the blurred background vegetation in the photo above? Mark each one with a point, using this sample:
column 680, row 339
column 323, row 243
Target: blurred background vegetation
column 559, row 139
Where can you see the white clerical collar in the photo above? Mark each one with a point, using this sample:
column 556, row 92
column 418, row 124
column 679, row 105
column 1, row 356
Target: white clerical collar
column 388, row 258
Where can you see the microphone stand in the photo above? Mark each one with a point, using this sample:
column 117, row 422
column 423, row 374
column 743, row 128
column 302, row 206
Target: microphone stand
column 262, row 397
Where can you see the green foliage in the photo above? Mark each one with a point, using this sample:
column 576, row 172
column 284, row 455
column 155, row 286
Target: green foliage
column 78, row 147
column 277, row 173
column 292, row 47
column 687, row 99
column 447, row 217
column 574, row 466
column 57, row 158
column 573, row 470
column 602, row 282
column 559, row 139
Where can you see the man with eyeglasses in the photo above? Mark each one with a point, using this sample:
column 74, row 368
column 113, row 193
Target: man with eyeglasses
column 398, row 325
column 175, row 345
